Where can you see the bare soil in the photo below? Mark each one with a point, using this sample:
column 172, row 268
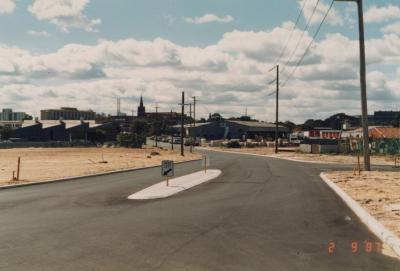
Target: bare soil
column 377, row 191
column 39, row 164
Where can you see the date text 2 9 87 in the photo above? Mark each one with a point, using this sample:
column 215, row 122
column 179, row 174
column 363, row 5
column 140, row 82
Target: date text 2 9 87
column 356, row 247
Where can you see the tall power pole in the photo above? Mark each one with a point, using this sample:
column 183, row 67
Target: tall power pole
column 363, row 82
column 156, row 126
column 194, row 119
column 191, row 125
column 277, row 110
column 182, row 123
column 277, row 107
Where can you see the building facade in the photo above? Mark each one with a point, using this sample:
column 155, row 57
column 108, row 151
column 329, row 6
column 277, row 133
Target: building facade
column 7, row 114
column 67, row 113
column 233, row 129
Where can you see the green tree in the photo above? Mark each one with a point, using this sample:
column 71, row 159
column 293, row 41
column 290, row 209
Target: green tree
column 131, row 140
column 5, row 133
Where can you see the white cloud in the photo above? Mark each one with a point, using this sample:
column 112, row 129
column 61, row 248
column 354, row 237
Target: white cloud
column 38, row 33
column 7, row 6
column 377, row 14
column 209, row 18
column 333, row 17
column 227, row 76
column 392, row 28
column 66, row 14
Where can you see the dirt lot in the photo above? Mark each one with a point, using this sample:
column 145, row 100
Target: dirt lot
column 51, row 163
column 292, row 154
column 378, row 192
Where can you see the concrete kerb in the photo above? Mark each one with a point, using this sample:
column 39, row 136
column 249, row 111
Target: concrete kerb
column 177, row 185
column 374, row 225
column 11, row 186
column 271, row 156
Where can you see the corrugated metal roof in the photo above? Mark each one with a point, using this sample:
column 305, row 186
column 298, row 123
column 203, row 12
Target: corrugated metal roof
column 384, row 132
column 51, row 123
column 254, row 123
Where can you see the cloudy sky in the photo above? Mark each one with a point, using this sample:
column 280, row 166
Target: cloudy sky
column 84, row 53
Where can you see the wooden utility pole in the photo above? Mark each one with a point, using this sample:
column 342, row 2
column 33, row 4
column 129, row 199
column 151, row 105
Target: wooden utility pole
column 156, row 126
column 194, row 119
column 277, row 107
column 191, row 125
column 363, row 82
column 182, row 123
column 277, row 110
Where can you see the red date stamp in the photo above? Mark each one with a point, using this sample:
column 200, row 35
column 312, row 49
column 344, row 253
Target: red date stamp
column 365, row 246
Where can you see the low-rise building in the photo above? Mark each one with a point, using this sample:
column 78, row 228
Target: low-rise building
column 11, row 119
column 324, row 133
column 234, row 129
column 67, row 113
column 61, row 130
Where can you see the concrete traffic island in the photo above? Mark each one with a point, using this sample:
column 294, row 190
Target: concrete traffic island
column 176, row 185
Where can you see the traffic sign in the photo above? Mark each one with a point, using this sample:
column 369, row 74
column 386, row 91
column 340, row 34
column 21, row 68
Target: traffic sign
column 167, row 168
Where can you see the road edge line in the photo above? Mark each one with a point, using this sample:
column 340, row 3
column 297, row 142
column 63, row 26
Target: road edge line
column 385, row 235
column 11, row 186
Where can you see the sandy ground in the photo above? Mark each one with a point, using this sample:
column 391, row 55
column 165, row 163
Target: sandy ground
column 39, row 164
column 291, row 153
column 376, row 191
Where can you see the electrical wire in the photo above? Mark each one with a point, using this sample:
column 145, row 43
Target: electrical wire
column 309, row 45
column 291, row 32
column 302, row 35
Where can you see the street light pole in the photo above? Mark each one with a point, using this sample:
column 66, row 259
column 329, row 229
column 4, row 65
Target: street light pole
column 363, row 81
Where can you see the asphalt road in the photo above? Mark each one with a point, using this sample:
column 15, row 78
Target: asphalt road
column 260, row 214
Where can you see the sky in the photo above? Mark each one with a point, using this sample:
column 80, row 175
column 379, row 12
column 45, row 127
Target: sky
column 85, row 53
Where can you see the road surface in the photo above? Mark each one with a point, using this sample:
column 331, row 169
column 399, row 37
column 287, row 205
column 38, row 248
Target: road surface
column 260, row 214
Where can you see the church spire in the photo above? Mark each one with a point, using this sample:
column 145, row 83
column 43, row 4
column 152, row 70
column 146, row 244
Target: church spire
column 141, row 109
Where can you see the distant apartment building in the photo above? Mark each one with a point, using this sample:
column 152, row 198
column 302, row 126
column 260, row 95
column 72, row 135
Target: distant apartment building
column 7, row 114
column 11, row 119
column 67, row 113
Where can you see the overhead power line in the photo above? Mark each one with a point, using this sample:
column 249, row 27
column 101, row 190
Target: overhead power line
column 291, row 32
column 302, row 35
column 309, row 45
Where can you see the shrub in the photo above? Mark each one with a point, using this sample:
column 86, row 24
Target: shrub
column 234, row 144
column 131, row 140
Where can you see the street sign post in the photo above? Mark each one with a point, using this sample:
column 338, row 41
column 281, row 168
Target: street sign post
column 167, row 170
column 206, row 162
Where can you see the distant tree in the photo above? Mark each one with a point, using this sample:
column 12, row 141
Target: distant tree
column 215, row 117
column 140, row 127
column 5, row 133
column 131, row 140
column 290, row 125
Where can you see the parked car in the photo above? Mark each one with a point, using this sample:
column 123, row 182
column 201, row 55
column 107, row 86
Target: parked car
column 176, row 140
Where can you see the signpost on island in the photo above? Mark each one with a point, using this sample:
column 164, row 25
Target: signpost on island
column 167, row 170
column 205, row 162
